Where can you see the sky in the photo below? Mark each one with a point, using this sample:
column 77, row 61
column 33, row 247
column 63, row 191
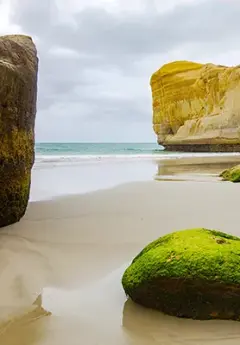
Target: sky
column 96, row 58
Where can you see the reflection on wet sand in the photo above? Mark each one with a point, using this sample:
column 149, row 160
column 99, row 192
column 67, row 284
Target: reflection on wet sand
column 200, row 169
column 20, row 326
column 146, row 326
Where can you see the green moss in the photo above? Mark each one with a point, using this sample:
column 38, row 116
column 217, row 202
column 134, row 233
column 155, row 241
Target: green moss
column 16, row 160
column 169, row 273
column 232, row 174
column 188, row 253
column 14, row 199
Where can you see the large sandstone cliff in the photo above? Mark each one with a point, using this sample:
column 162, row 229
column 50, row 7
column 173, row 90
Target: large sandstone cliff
column 197, row 107
column 18, row 93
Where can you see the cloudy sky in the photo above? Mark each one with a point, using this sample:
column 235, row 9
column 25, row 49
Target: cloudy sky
column 97, row 56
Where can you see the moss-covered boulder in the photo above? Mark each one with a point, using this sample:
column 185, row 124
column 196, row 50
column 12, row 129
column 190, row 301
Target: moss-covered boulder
column 232, row 174
column 190, row 273
column 18, row 93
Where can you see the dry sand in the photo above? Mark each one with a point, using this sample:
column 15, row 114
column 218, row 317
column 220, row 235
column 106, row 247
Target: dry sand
column 70, row 253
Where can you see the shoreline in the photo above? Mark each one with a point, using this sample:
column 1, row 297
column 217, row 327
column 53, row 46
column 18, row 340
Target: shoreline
column 42, row 160
column 50, row 181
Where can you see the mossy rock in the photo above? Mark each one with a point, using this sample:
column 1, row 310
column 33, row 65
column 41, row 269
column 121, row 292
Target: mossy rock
column 18, row 95
column 191, row 273
column 232, row 174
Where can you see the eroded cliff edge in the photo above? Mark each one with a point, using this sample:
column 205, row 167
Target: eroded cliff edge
column 196, row 107
column 18, row 95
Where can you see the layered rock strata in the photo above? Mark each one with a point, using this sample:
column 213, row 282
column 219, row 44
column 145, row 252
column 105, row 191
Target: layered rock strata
column 196, row 107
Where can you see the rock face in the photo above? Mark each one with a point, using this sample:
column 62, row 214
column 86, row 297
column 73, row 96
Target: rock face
column 191, row 273
column 197, row 107
column 18, row 93
column 232, row 174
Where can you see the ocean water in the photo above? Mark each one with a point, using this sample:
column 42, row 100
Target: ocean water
column 74, row 168
column 98, row 149
column 74, row 153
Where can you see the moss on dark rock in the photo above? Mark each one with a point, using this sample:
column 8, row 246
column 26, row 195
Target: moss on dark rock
column 14, row 200
column 232, row 174
column 18, row 94
column 191, row 273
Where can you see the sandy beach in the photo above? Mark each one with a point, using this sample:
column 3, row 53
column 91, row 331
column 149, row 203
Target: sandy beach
column 69, row 253
column 117, row 119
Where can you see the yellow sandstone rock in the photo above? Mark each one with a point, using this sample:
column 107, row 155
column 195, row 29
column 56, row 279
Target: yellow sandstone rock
column 196, row 107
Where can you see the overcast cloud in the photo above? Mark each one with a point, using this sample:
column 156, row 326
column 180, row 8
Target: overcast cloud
column 96, row 58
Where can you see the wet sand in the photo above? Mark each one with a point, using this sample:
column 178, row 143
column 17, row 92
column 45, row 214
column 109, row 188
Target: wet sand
column 195, row 168
column 70, row 253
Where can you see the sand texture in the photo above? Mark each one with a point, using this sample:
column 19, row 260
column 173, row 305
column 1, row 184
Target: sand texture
column 70, row 254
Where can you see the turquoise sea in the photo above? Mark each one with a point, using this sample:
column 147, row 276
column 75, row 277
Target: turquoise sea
column 78, row 152
column 66, row 153
column 98, row 149
column 71, row 168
